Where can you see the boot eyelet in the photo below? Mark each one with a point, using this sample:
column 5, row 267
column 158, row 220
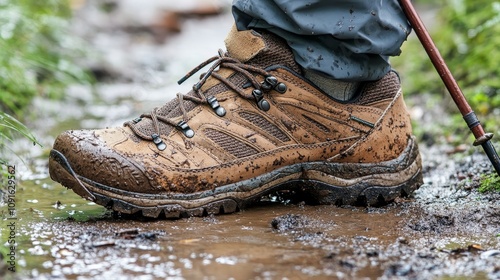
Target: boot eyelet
column 214, row 103
column 186, row 130
column 159, row 142
column 281, row 88
column 271, row 80
column 257, row 94
column 265, row 85
column 264, row 105
column 261, row 102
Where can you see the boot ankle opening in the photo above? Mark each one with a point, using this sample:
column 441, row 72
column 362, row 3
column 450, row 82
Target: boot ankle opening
column 337, row 89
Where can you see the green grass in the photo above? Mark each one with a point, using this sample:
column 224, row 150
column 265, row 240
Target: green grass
column 490, row 182
column 9, row 129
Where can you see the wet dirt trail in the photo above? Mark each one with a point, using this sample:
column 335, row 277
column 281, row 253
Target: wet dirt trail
column 448, row 230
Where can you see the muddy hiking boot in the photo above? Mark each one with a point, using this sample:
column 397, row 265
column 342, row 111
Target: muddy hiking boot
column 252, row 125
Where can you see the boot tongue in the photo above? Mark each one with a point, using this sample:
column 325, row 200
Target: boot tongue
column 261, row 49
column 244, row 45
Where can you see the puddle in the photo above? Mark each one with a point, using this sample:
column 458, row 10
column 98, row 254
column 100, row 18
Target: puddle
column 447, row 231
column 76, row 238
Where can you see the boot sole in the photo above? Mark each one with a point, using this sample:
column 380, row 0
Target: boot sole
column 324, row 183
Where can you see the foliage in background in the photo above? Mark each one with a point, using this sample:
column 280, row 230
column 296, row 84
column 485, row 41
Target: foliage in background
column 467, row 33
column 36, row 54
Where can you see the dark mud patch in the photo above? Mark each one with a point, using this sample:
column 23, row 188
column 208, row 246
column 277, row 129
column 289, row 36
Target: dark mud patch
column 468, row 218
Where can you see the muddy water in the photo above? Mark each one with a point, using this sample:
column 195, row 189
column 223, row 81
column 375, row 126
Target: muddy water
column 446, row 231
column 82, row 240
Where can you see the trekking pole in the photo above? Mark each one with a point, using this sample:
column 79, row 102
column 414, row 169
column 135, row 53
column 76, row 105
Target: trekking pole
column 437, row 60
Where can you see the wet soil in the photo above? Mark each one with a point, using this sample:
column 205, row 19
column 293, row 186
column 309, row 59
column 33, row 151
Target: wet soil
column 447, row 230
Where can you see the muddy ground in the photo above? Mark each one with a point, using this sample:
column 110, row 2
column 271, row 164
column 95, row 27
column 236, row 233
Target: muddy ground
column 447, row 230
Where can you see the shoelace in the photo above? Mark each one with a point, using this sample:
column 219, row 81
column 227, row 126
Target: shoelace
column 222, row 60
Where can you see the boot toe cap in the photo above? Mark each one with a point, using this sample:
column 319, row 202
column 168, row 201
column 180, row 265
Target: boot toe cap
column 89, row 158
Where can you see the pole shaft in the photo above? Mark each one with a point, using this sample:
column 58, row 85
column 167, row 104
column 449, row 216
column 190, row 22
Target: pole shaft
column 451, row 84
column 436, row 58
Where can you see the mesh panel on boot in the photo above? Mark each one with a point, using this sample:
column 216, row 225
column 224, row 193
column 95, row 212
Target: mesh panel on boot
column 237, row 79
column 276, row 52
column 385, row 88
column 264, row 124
column 229, row 143
column 318, row 124
column 169, row 110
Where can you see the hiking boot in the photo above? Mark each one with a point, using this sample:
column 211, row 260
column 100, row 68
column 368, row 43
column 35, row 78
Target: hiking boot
column 252, row 125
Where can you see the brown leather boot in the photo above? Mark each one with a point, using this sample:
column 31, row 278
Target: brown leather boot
column 251, row 125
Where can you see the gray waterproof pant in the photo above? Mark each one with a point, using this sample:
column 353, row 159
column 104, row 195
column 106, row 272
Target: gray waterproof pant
column 349, row 40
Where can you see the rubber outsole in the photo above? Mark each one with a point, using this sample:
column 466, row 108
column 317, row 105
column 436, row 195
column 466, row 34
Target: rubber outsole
column 320, row 182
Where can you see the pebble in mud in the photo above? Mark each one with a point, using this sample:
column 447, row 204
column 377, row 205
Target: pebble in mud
column 289, row 222
column 300, row 228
